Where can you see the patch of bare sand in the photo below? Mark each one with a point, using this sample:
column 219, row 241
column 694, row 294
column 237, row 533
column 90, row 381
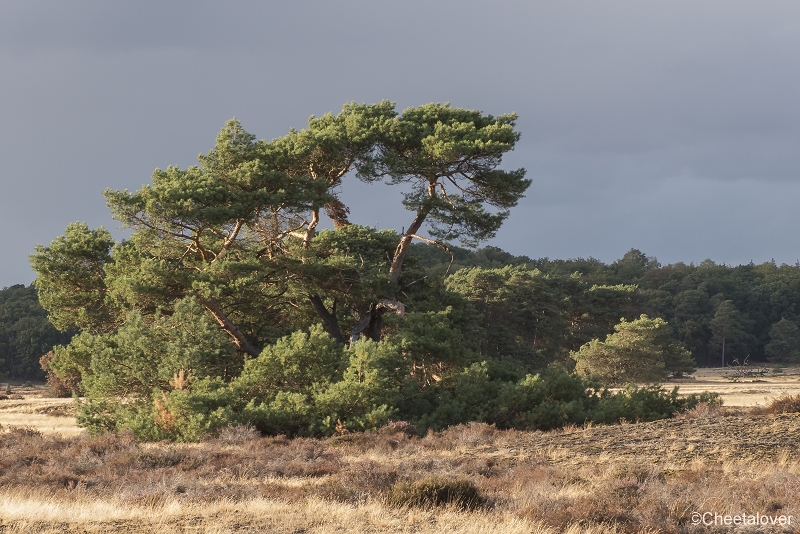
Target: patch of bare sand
column 30, row 407
column 755, row 391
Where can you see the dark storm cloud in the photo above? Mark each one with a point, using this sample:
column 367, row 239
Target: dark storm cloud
column 667, row 126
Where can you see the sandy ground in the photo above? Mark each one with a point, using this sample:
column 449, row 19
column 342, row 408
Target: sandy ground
column 30, row 406
column 742, row 392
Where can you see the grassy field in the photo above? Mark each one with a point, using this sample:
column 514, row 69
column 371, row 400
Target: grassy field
column 627, row 478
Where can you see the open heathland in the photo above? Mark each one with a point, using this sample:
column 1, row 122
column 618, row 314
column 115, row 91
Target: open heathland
column 646, row 477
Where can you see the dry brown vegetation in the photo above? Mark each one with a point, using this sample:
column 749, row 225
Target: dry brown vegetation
column 625, row 478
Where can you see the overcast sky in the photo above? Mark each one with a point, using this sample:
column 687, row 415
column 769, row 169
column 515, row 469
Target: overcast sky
column 671, row 127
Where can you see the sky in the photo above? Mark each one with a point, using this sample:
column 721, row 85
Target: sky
column 667, row 126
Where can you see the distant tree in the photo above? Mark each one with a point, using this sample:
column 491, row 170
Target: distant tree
column 633, row 265
column 639, row 351
column 784, row 345
column 523, row 312
column 729, row 340
column 593, row 311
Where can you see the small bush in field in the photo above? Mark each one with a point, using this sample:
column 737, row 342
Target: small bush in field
column 399, row 427
column 433, row 491
column 369, row 476
column 110, row 442
column 784, row 404
column 234, row 435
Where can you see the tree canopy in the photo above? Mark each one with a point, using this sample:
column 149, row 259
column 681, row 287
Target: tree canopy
column 231, row 302
column 641, row 350
column 226, row 258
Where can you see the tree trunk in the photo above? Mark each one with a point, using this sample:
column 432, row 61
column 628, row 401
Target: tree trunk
column 312, row 229
column 238, row 337
column 402, row 248
column 329, row 321
column 405, row 241
column 371, row 323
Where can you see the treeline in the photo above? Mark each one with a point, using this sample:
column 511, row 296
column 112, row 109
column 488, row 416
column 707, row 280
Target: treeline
column 540, row 309
column 25, row 333
column 755, row 308
column 535, row 311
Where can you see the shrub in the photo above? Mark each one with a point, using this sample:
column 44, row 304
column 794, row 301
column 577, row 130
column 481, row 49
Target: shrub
column 236, row 434
column 398, row 427
column 647, row 404
column 60, row 386
column 433, row 491
column 784, row 404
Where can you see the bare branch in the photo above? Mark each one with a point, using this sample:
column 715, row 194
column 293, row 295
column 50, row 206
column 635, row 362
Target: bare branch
column 438, row 244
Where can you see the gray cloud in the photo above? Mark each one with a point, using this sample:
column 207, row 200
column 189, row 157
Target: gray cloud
column 666, row 126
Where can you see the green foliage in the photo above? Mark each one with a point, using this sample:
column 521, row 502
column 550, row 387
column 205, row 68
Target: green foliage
column 25, row 333
column 685, row 295
column 650, row 403
column 639, row 351
column 784, row 345
column 449, row 156
column 125, row 372
column 431, row 346
column 301, row 363
column 369, row 388
column 524, row 310
column 535, row 318
column 633, row 265
column 70, row 279
column 229, row 304
column 308, row 384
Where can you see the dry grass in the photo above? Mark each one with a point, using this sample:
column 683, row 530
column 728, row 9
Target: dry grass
column 32, row 407
column 631, row 478
column 783, row 404
column 258, row 515
column 625, row 479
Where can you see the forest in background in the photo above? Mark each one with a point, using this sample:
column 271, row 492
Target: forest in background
column 755, row 307
column 687, row 296
column 25, row 334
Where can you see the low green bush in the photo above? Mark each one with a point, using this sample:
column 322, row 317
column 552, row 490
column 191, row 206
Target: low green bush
column 645, row 404
column 307, row 385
